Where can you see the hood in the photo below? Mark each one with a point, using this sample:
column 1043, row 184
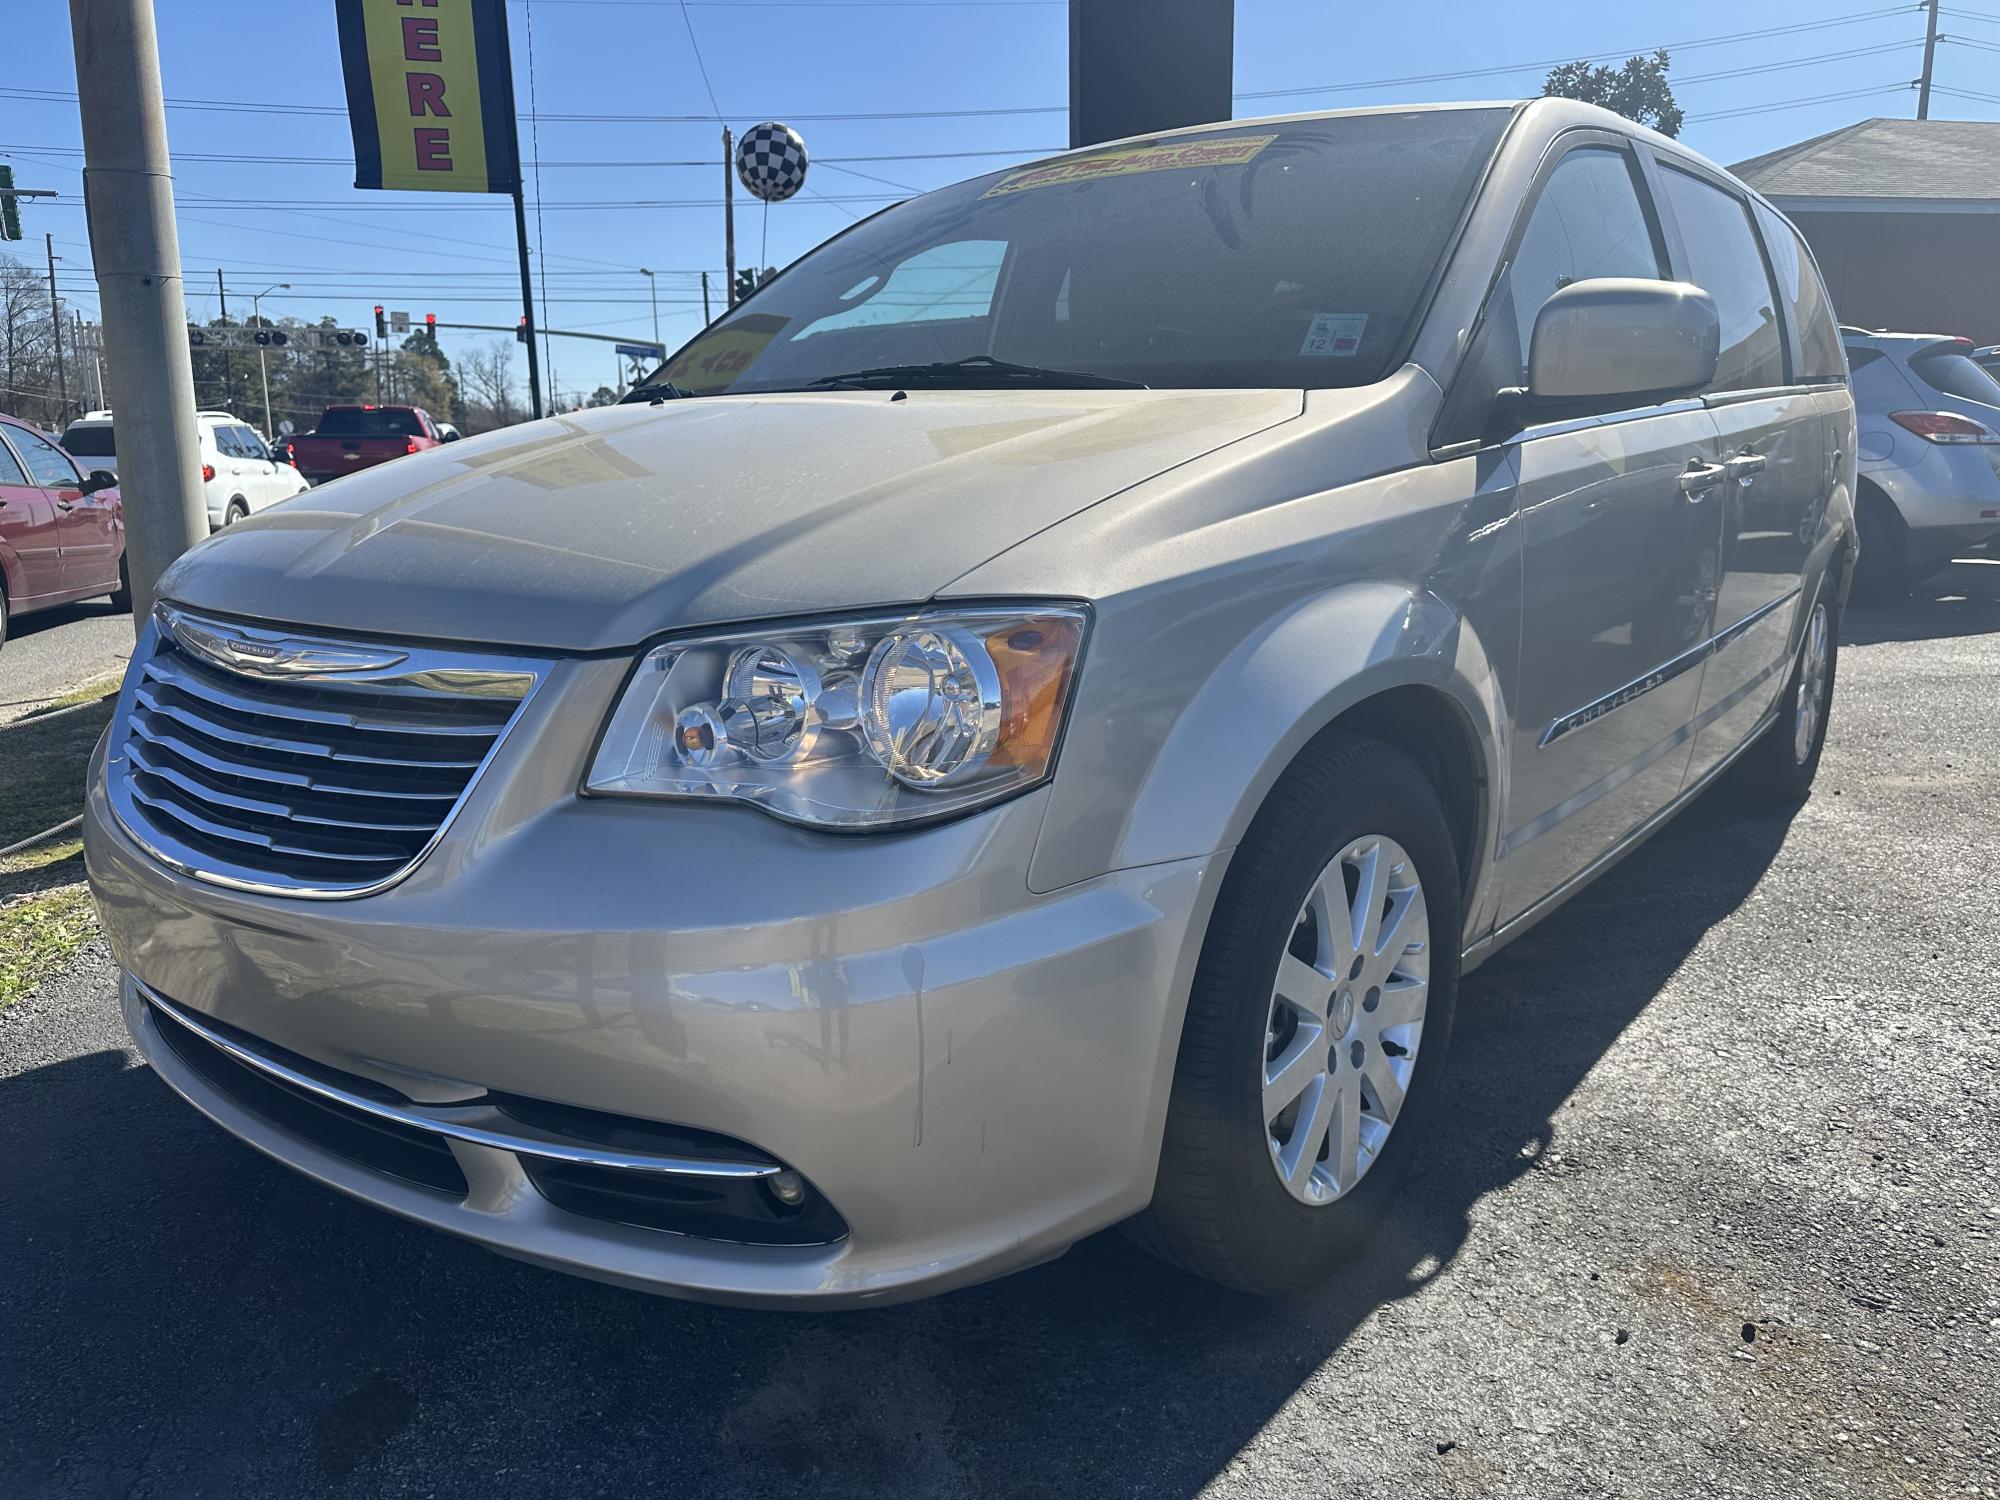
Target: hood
column 602, row 528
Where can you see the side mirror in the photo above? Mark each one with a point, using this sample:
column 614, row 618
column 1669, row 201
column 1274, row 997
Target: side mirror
column 100, row 479
column 1623, row 339
column 451, row 435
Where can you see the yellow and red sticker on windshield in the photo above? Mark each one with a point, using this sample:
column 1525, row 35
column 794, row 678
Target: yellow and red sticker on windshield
column 1228, row 151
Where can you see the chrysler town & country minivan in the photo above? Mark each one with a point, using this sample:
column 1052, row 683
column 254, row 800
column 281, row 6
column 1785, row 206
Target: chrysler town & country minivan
column 1018, row 727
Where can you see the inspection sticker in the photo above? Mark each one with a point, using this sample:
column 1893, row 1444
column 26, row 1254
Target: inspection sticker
column 1230, row 151
column 1337, row 334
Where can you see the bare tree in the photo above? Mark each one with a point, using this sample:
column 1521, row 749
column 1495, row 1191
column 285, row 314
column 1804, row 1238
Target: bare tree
column 27, row 345
column 486, row 387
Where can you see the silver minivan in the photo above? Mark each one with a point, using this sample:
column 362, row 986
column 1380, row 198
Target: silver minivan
column 1020, row 727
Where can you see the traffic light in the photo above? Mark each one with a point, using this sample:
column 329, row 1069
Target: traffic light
column 431, row 324
column 521, row 332
column 381, row 324
column 10, row 206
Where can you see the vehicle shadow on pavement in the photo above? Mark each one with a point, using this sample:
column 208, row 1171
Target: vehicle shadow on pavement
column 23, row 626
column 185, row 1315
column 1962, row 600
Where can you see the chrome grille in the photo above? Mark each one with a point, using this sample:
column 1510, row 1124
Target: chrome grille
column 271, row 761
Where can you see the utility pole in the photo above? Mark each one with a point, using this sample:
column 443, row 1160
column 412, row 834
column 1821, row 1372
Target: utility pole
column 1930, row 57
column 729, row 213
column 128, row 186
column 228, row 358
column 55, row 321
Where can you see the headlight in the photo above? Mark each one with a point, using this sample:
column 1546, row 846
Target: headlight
column 862, row 723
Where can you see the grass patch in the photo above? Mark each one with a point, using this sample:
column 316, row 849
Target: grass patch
column 90, row 692
column 39, row 934
column 41, row 769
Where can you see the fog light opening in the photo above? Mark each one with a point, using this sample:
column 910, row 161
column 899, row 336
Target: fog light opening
column 788, row 1188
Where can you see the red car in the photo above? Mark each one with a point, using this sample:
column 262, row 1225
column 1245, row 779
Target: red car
column 352, row 438
column 62, row 535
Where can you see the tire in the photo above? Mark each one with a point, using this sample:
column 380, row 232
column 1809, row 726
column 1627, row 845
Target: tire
column 3, row 614
column 121, row 597
column 1782, row 765
column 1222, row 1207
column 1885, row 572
column 238, row 511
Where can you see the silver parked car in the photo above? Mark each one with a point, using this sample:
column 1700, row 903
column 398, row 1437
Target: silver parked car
column 1929, row 484
column 1019, row 727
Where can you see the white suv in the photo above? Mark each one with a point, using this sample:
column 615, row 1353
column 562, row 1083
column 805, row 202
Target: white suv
column 238, row 473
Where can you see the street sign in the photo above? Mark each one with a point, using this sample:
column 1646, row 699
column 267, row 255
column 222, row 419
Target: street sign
column 399, row 322
column 642, row 351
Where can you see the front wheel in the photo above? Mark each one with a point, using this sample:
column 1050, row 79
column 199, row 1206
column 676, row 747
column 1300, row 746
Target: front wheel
column 121, row 597
column 237, row 511
column 1317, row 1025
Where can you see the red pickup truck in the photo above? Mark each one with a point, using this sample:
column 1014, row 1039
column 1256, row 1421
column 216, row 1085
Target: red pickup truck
column 349, row 439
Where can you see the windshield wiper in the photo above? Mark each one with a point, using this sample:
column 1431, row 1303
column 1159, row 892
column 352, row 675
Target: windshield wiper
column 973, row 372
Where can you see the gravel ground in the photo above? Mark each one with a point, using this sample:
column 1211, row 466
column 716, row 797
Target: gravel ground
column 1714, row 1209
column 55, row 650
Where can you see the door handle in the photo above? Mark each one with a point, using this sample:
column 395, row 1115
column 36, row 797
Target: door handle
column 1745, row 467
column 65, row 505
column 1698, row 478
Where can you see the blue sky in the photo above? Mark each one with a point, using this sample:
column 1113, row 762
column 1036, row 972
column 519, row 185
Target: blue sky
column 343, row 250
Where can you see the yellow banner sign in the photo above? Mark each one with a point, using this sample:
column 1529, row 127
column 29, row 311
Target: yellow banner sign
column 430, row 95
column 1191, row 154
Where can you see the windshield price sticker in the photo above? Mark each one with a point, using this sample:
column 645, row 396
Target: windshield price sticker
column 1190, row 155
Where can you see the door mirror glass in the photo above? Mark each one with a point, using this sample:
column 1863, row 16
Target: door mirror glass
column 449, row 435
column 100, row 479
column 1622, row 340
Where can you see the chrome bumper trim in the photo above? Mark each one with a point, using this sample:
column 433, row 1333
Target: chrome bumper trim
column 475, row 1124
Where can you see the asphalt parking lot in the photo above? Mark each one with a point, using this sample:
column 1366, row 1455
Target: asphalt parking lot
column 1713, row 1209
column 55, row 650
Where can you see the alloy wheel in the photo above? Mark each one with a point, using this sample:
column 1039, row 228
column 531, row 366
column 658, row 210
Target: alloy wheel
column 1812, row 686
column 1346, row 1019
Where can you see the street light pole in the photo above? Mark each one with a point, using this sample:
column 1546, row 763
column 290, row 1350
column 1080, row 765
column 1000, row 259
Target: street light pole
column 653, row 286
column 263, row 368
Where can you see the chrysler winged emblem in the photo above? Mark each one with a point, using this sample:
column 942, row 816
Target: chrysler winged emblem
column 264, row 654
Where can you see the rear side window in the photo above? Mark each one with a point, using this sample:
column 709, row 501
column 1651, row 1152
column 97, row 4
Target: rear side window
column 355, row 422
column 94, row 441
column 225, row 441
column 1724, row 260
column 1953, row 372
column 1812, row 309
column 248, row 443
column 1588, row 221
column 1861, row 359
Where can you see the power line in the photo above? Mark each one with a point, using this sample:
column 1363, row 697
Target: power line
column 1728, row 39
column 1620, row 53
column 1801, row 103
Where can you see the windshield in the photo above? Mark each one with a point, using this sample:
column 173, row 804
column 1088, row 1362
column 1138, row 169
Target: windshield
column 1280, row 255
column 90, row 442
column 353, row 421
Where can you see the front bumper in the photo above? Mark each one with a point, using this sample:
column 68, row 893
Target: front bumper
column 974, row 1076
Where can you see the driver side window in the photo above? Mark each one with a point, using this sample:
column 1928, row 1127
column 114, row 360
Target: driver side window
column 1588, row 221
